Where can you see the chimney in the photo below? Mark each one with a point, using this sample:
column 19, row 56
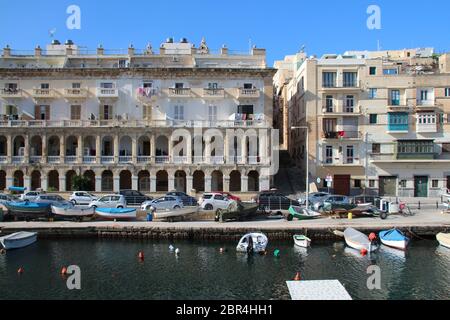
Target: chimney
column 100, row 50
column 69, row 50
column 258, row 52
column 131, row 50
column 6, row 51
column 193, row 50
column 38, row 51
column 224, row 50
column 162, row 50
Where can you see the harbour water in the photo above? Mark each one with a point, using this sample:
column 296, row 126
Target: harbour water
column 110, row 269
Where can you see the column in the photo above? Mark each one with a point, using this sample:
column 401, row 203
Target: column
column 80, row 149
column 134, row 182
column 98, row 182
column 189, row 184
column 244, row 150
column 27, row 182
column 44, row 181
column 244, row 182
column 188, row 152
column 226, row 148
column 116, row 185
column 171, row 181
column 9, row 149
column 152, row 183
column 134, row 153
column 153, row 148
column 27, row 150
column 62, row 182
column 44, row 150
column 98, row 150
column 264, row 182
column 9, row 181
column 207, row 155
column 263, row 158
column 170, row 148
column 208, row 181
column 116, row 148
column 226, row 183
column 62, row 150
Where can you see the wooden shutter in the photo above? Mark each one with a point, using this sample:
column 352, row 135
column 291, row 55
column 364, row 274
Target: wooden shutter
column 37, row 115
column 100, row 112
column 47, row 112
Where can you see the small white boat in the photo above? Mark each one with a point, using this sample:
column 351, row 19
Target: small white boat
column 73, row 212
column 302, row 241
column 176, row 213
column 444, row 239
column 116, row 213
column 18, row 240
column 394, row 238
column 253, row 242
column 358, row 240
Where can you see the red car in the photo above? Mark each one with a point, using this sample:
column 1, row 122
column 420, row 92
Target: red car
column 229, row 195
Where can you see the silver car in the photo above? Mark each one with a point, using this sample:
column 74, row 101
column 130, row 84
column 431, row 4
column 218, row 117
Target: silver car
column 313, row 197
column 30, row 195
column 163, row 203
column 332, row 199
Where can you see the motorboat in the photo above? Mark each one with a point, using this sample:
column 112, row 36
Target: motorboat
column 302, row 241
column 302, row 213
column 358, row 240
column 394, row 238
column 18, row 240
column 28, row 209
column 254, row 242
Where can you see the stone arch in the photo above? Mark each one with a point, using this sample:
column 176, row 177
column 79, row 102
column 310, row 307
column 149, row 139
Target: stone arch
column 2, row 180
column 18, row 146
column 53, row 180
column 125, row 182
column 180, row 181
column 69, row 179
column 162, row 181
column 253, row 180
column 235, row 181
column 198, row 181
column 91, row 176
column 144, row 181
column 107, row 181
column 217, row 180
column 53, row 146
column 35, row 180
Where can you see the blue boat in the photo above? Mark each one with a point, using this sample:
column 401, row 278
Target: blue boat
column 116, row 213
column 28, row 209
column 394, row 238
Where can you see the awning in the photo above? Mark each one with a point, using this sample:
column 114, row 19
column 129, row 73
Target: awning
column 19, row 189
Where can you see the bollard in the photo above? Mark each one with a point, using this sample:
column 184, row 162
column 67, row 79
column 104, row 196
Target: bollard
column 419, row 206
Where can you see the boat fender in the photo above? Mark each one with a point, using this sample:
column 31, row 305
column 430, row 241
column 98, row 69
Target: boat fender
column 171, row 248
column 372, row 236
column 177, row 251
column 297, row 277
column 276, row 253
column 363, row 252
column 2, row 251
column 141, row 255
column 20, row 270
column 221, row 250
column 63, row 271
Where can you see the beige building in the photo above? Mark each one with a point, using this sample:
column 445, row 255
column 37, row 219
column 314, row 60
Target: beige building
column 378, row 121
column 184, row 118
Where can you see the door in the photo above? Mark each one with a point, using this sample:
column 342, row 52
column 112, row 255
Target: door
column 342, row 184
column 388, row 186
column 420, row 187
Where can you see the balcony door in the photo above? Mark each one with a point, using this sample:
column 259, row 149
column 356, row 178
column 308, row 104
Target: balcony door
column 42, row 112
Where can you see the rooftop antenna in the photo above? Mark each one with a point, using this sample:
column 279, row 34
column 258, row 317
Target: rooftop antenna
column 378, row 45
column 302, row 48
column 52, row 32
column 249, row 45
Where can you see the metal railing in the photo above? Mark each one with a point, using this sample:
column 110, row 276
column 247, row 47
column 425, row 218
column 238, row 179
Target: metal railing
column 3, row 159
column 89, row 159
column 11, row 92
column 18, row 159
column 125, row 159
column 53, row 159
column 71, row 159
column 35, row 159
column 144, row 159
column 180, row 92
column 162, row 159
column 107, row 159
column 248, row 93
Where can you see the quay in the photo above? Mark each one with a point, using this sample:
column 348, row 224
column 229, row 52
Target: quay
column 426, row 223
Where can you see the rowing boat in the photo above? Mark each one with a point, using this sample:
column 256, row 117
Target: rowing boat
column 18, row 240
column 394, row 238
column 358, row 240
column 116, row 213
column 444, row 239
column 73, row 212
column 302, row 241
column 28, row 209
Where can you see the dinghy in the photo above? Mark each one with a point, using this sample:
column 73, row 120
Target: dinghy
column 302, row 213
column 18, row 240
column 358, row 240
column 253, row 242
column 302, row 241
column 73, row 212
column 116, row 213
column 444, row 239
column 28, row 209
column 394, row 238
column 175, row 213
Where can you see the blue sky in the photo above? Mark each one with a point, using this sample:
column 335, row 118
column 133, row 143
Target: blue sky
column 281, row 27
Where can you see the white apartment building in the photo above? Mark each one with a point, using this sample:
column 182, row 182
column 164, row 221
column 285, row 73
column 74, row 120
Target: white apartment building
column 185, row 118
column 379, row 122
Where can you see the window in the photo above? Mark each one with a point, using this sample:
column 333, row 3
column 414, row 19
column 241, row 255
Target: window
column 350, row 79
column 350, row 154
column 373, row 118
column 76, row 85
column 147, row 112
column 11, row 87
column 45, row 86
column 426, row 118
column 423, row 95
column 447, row 92
column 357, row 183
column 376, row 148
column 349, row 104
column 371, row 183
column 245, row 109
column 395, row 97
column 446, row 147
column 402, row 183
column 373, row 93
column 42, row 112
column 123, row 63
column 107, row 85
column 106, row 112
column 372, row 71
column 75, row 112
column 391, row 71
column 212, row 113
column 329, row 103
column 415, row 146
column 329, row 79
column 213, row 85
column 179, row 113
column 435, row 183
column 328, row 154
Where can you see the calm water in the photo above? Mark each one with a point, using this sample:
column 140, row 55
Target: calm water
column 110, row 270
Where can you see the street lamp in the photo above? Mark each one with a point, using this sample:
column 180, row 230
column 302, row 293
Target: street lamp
column 307, row 163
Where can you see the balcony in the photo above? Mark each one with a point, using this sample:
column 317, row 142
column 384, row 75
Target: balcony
column 342, row 86
column 43, row 93
column 198, row 159
column 107, row 93
column 53, row 159
column 125, row 159
column 342, row 111
column 146, row 95
column 213, row 93
column 416, row 156
column 341, row 135
column 3, row 159
column 426, row 127
column 107, row 159
column 71, row 159
column 179, row 92
column 75, row 93
column 180, row 159
column 248, row 93
column 347, row 162
column 36, row 159
column 397, row 128
column 18, row 159
column 144, row 159
column 162, row 159
column 89, row 159
column 215, row 160
column 11, row 93
column 253, row 159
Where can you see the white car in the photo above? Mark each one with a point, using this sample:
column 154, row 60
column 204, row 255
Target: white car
column 163, row 203
column 109, row 201
column 214, row 201
column 30, row 195
column 82, row 197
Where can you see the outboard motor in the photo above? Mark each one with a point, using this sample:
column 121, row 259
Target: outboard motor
column 250, row 245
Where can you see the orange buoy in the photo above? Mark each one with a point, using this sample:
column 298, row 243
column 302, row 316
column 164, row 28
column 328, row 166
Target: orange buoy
column 20, row 270
column 372, row 236
column 297, row 277
column 64, row 271
column 363, row 252
column 141, row 255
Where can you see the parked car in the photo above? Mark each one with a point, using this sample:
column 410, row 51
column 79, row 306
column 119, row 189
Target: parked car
column 229, row 195
column 5, row 198
column 313, row 197
column 30, row 195
column 52, row 199
column 273, row 200
column 82, row 197
column 333, row 200
column 109, row 201
column 163, row 203
column 185, row 198
column 134, row 197
column 214, row 201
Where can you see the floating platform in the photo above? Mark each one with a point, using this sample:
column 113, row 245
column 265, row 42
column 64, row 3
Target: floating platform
column 317, row 290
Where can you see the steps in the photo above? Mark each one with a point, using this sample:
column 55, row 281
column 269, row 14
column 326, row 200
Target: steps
column 289, row 180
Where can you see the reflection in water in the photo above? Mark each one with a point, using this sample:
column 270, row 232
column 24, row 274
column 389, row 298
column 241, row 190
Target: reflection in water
column 110, row 269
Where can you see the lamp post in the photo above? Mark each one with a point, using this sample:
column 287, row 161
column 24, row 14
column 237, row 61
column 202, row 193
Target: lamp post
column 307, row 163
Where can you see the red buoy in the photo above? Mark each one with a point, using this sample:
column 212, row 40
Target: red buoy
column 141, row 255
column 372, row 236
column 20, row 270
column 363, row 252
column 297, row 277
column 64, row 271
